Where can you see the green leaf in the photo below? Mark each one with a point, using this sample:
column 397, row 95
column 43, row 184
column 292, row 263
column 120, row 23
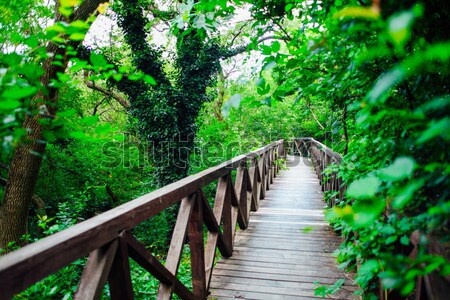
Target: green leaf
column 78, row 135
column 118, row 76
column 276, row 46
column 358, row 12
column 79, row 24
column 435, row 129
column 78, row 65
column 263, row 90
column 260, row 82
column 9, row 104
column 89, row 121
column 399, row 27
column 402, row 168
column 135, row 76
column 67, row 113
column 57, row 28
column 405, row 194
column 391, row 239
column 379, row 92
column 69, row 3
column 149, row 79
column 65, row 11
column 269, row 65
column 404, row 240
column 307, row 229
column 32, row 42
column 97, row 60
column 234, row 101
column 16, row 92
column 267, row 101
column 77, row 36
column 363, row 188
column 365, row 212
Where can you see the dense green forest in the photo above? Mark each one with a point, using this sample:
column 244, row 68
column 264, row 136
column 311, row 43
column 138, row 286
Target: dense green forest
column 105, row 101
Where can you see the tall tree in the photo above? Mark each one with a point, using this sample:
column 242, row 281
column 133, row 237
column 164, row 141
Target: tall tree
column 27, row 156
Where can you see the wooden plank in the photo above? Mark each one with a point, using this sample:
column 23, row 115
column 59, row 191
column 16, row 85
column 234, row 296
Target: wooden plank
column 243, row 275
column 219, row 207
column 255, row 183
column 237, row 214
column 119, row 277
column 195, row 234
column 144, row 258
column 250, row 195
column 177, row 242
column 270, row 290
column 304, row 238
column 96, row 272
column 241, row 191
column 294, row 262
column 215, row 238
column 308, row 286
column 319, row 273
column 227, row 222
column 211, row 223
column 237, row 294
column 262, row 172
column 274, row 255
column 21, row 268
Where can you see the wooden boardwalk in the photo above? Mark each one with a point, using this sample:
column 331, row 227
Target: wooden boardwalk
column 276, row 257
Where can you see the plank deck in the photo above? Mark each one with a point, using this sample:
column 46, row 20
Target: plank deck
column 275, row 258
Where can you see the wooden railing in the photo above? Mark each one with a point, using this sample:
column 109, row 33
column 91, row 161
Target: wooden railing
column 321, row 157
column 431, row 286
column 109, row 243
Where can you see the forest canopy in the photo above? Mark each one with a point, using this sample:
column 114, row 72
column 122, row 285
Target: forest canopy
column 105, row 101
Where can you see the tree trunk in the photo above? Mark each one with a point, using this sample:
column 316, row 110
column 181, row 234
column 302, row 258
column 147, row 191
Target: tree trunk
column 217, row 106
column 27, row 157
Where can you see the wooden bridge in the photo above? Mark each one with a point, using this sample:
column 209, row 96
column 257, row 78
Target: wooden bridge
column 267, row 225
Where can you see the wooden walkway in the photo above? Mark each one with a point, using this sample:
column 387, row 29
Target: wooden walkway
column 275, row 257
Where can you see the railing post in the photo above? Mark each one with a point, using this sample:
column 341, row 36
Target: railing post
column 119, row 277
column 222, row 210
column 96, row 272
column 241, row 190
column 262, row 172
column 195, row 234
column 177, row 242
column 255, row 183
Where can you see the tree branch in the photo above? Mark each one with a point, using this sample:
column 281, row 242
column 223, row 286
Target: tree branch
column 237, row 34
column 241, row 49
column 122, row 101
column 314, row 116
column 96, row 106
column 288, row 37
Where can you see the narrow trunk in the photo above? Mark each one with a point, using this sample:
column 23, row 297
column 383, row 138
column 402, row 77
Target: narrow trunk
column 217, row 106
column 19, row 189
column 27, row 157
column 26, row 162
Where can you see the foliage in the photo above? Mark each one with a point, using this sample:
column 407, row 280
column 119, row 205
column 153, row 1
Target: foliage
column 167, row 112
column 396, row 165
column 369, row 81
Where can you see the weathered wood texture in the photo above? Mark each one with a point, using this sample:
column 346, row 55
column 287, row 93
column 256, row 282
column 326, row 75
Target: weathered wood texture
column 321, row 157
column 275, row 258
column 106, row 237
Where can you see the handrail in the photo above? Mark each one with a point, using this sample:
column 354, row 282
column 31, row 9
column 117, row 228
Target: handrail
column 434, row 286
column 107, row 240
column 321, row 157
